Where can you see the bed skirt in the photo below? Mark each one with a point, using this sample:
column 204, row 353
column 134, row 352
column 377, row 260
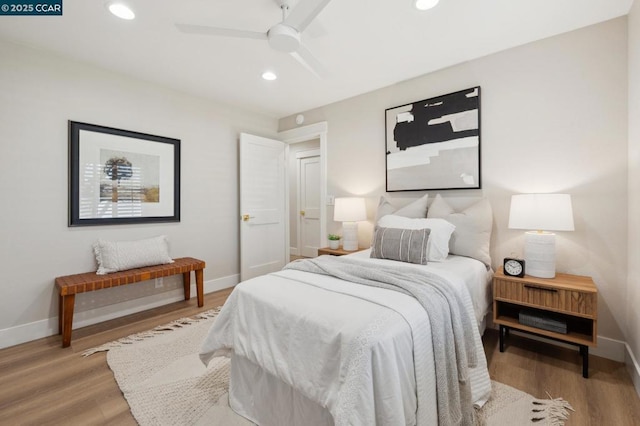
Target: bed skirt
column 267, row 401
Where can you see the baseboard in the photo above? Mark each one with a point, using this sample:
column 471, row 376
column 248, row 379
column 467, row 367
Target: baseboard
column 609, row 348
column 48, row 327
column 633, row 367
column 293, row 251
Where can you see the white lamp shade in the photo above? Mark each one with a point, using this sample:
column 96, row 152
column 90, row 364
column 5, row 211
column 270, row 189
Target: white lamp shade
column 543, row 212
column 350, row 209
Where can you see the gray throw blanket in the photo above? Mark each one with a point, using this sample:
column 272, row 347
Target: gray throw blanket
column 451, row 325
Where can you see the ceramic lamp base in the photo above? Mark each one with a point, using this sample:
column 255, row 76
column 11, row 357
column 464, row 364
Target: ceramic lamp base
column 540, row 254
column 350, row 236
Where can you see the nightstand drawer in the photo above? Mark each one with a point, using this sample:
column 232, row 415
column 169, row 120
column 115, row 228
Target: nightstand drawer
column 546, row 296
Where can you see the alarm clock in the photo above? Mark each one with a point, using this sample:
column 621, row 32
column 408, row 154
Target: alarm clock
column 513, row 267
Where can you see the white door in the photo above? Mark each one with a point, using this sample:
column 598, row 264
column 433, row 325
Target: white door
column 309, row 199
column 263, row 233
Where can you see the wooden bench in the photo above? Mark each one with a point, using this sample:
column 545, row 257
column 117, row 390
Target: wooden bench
column 70, row 285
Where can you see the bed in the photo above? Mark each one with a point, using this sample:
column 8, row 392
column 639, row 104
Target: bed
column 308, row 346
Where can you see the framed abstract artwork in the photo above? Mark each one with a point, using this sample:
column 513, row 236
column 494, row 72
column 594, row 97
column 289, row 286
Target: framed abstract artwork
column 434, row 144
column 122, row 177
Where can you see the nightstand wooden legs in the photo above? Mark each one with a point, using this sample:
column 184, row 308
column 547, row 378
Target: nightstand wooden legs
column 584, row 349
column 504, row 332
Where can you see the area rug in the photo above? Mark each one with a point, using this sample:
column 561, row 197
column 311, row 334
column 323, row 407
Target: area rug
column 164, row 382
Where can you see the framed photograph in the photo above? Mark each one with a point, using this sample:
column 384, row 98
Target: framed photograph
column 434, row 144
column 122, row 177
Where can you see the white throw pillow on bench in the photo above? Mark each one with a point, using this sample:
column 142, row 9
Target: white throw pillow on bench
column 114, row 256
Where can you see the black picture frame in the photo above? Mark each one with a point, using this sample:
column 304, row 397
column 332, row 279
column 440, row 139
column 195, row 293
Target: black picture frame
column 434, row 144
column 122, row 177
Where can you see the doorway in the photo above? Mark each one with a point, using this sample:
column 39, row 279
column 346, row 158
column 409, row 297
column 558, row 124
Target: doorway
column 300, row 135
column 264, row 208
column 304, row 198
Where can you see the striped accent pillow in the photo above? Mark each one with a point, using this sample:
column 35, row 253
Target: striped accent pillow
column 404, row 245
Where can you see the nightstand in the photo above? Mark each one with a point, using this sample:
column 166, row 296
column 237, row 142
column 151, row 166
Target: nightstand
column 569, row 300
column 336, row 252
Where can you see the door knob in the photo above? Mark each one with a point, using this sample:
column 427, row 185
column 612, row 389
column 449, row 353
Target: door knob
column 245, row 217
column 301, row 212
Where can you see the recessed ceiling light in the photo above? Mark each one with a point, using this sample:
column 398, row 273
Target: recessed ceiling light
column 425, row 4
column 121, row 10
column 268, row 75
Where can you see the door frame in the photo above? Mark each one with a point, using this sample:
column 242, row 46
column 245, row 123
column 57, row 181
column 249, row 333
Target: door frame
column 301, row 134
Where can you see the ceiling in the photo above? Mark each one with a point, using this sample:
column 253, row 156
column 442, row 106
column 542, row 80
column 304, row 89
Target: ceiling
column 363, row 44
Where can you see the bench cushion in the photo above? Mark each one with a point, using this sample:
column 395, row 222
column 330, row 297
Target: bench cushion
column 114, row 256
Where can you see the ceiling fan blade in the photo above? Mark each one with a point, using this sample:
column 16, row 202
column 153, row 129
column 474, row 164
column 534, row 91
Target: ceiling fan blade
column 217, row 31
column 304, row 13
column 315, row 30
column 306, row 58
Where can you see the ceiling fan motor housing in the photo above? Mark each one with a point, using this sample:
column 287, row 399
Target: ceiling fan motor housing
column 284, row 38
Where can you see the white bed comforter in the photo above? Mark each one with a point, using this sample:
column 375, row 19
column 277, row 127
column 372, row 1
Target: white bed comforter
column 356, row 350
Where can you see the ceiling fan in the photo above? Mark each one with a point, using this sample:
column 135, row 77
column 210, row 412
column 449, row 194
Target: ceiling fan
column 284, row 36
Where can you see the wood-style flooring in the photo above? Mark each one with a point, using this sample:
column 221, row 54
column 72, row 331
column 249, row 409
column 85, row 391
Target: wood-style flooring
column 43, row 384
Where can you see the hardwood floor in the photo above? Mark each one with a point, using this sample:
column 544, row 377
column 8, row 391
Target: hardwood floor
column 43, row 384
column 607, row 397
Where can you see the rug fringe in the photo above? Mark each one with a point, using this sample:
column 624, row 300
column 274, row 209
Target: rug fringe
column 554, row 410
column 161, row 329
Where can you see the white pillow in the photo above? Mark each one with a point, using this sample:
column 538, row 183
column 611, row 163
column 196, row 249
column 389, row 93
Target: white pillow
column 441, row 230
column 415, row 209
column 472, row 236
column 114, row 256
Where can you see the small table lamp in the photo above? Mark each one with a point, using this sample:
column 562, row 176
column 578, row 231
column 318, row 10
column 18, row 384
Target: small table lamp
column 542, row 212
column 349, row 211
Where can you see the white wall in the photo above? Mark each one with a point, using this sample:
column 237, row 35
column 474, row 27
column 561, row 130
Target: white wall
column 633, row 283
column 554, row 119
column 39, row 93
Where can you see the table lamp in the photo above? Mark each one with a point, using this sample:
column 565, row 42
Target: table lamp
column 349, row 211
column 541, row 213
